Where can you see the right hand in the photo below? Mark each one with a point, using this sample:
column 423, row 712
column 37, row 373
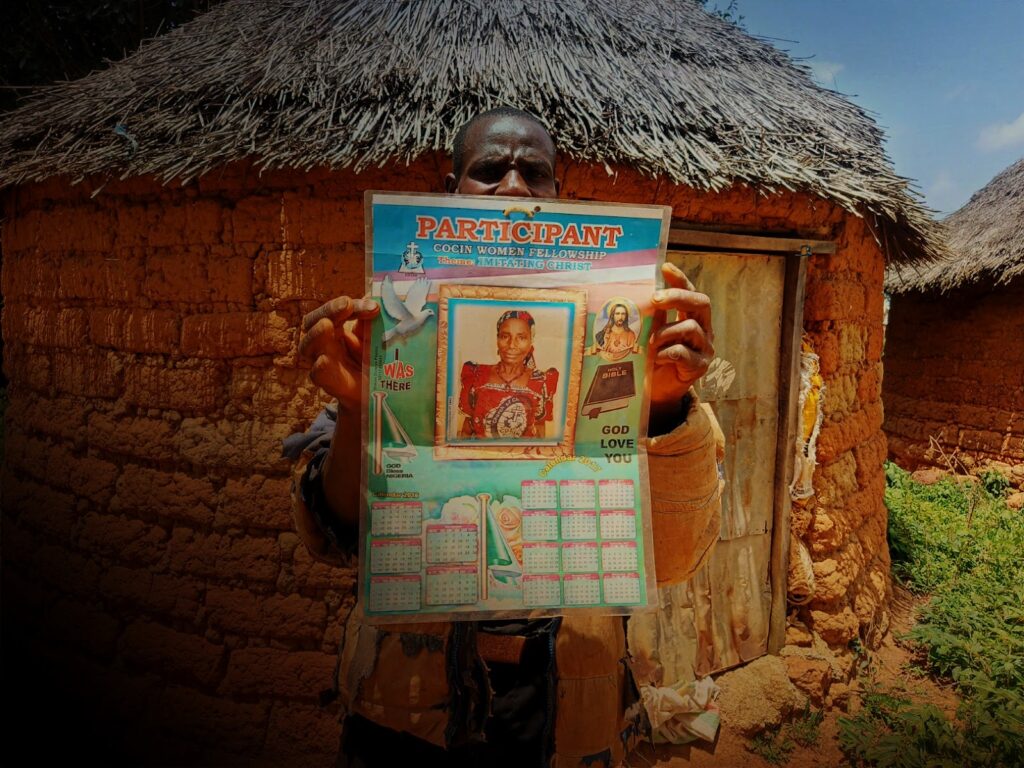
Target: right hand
column 332, row 343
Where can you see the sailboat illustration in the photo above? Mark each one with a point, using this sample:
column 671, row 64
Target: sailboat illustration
column 389, row 436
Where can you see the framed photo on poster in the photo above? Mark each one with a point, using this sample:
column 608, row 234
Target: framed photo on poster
column 509, row 363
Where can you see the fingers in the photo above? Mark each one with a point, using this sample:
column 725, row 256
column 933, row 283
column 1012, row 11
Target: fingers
column 676, row 369
column 320, row 339
column 352, row 335
column 336, row 380
column 675, row 277
column 694, row 363
column 688, row 303
column 341, row 309
column 687, row 333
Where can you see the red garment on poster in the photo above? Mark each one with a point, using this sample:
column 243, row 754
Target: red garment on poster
column 500, row 410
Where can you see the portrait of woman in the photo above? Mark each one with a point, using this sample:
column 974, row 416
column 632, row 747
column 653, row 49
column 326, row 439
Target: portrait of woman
column 615, row 335
column 511, row 398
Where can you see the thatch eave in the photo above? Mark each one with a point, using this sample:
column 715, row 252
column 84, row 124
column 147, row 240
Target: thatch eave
column 660, row 86
column 986, row 242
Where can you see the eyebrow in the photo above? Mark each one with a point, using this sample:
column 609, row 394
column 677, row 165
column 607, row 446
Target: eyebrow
column 529, row 155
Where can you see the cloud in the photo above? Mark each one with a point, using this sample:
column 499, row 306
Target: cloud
column 1002, row 135
column 825, row 71
column 943, row 193
column 959, row 92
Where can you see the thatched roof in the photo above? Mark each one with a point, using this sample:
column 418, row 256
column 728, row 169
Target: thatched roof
column 985, row 237
column 659, row 85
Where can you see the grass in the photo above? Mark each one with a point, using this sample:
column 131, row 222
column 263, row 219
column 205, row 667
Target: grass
column 960, row 544
column 774, row 746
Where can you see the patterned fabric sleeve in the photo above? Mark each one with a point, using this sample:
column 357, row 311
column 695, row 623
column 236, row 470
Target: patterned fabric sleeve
column 467, row 388
column 326, row 538
column 550, row 392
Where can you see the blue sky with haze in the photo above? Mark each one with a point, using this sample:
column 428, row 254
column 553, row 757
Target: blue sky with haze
column 943, row 78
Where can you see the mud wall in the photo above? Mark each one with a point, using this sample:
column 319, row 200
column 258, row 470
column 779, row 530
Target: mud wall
column 954, row 376
column 150, row 569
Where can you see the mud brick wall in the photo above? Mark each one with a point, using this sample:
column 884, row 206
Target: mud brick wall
column 149, row 565
column 955, row 373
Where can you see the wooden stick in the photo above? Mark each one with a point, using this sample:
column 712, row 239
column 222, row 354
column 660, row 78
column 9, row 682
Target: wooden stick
column 485, row 500
column 378, row 432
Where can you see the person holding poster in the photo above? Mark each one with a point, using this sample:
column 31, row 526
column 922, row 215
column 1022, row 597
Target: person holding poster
column 462, row 693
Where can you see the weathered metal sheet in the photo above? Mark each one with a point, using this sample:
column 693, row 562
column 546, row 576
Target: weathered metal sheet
column 740, row 599
column 750, row 426
column 746, row 313
column 715, row 621
column 720, row 618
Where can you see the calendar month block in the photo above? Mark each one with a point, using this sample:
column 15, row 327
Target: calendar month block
column 577, row 494
column 539, row 494
column 540, row 557
column 618, row 556
column 396, row 518
column 579, row 556
column 579, row 524
column 618, row 524
column 540, row 525
column 452, row 543
column 542, row 590
column 616, row 494
column 395, row 555
column 581, row 589
column 395, row 593
column 621, row 588
column 452, row 584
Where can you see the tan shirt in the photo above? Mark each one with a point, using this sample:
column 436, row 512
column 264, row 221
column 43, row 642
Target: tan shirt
column 380, row 680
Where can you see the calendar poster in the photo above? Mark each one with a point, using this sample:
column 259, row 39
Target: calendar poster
column 506, row 382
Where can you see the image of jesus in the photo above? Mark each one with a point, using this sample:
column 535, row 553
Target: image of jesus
column 512, row 398
column 616, row 340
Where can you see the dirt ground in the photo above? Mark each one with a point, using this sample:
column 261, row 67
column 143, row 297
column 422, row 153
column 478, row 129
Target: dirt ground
column 890, row 665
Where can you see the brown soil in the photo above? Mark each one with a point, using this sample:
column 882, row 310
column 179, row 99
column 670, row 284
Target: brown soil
column 891, row 667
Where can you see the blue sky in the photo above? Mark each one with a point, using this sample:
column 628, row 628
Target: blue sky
column 944, row 79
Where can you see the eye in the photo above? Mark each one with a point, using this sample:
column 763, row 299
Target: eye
column 488, row 172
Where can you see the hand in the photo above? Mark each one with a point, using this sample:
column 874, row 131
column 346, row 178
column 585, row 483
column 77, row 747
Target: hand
column 332, row 343
column 683, row 347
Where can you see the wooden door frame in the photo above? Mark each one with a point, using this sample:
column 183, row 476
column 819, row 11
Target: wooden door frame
column 797, row 252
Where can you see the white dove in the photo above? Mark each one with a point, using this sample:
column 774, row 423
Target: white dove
column 410, row 314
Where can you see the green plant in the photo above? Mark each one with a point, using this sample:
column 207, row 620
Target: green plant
column 961, row 544
column 772, row 746
column 994, row 483
column 805, row 729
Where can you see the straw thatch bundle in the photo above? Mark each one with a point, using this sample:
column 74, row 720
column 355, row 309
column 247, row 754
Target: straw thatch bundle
column 660, row 85
column 986, row 241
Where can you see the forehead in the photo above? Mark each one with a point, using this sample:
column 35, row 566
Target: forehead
column 514, row 325
column 502, row 135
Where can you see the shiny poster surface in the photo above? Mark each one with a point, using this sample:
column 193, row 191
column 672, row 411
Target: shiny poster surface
column 506, row 386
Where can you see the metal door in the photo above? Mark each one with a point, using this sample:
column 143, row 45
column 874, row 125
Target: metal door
column 720, row 618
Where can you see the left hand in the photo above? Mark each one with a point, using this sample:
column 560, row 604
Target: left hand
column 684, row 347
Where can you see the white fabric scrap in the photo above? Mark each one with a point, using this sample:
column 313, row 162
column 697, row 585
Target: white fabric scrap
column 806, row 450
column 682, row 713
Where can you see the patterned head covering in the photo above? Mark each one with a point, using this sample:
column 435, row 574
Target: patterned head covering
column 516, row 314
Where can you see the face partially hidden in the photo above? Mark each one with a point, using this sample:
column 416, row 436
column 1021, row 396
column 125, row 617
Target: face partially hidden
column 619, row 316
column 506, row 156
column 515, row 340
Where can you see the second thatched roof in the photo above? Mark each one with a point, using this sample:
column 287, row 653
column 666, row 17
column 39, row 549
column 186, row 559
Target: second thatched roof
column 986, row 241
column 659, row 85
